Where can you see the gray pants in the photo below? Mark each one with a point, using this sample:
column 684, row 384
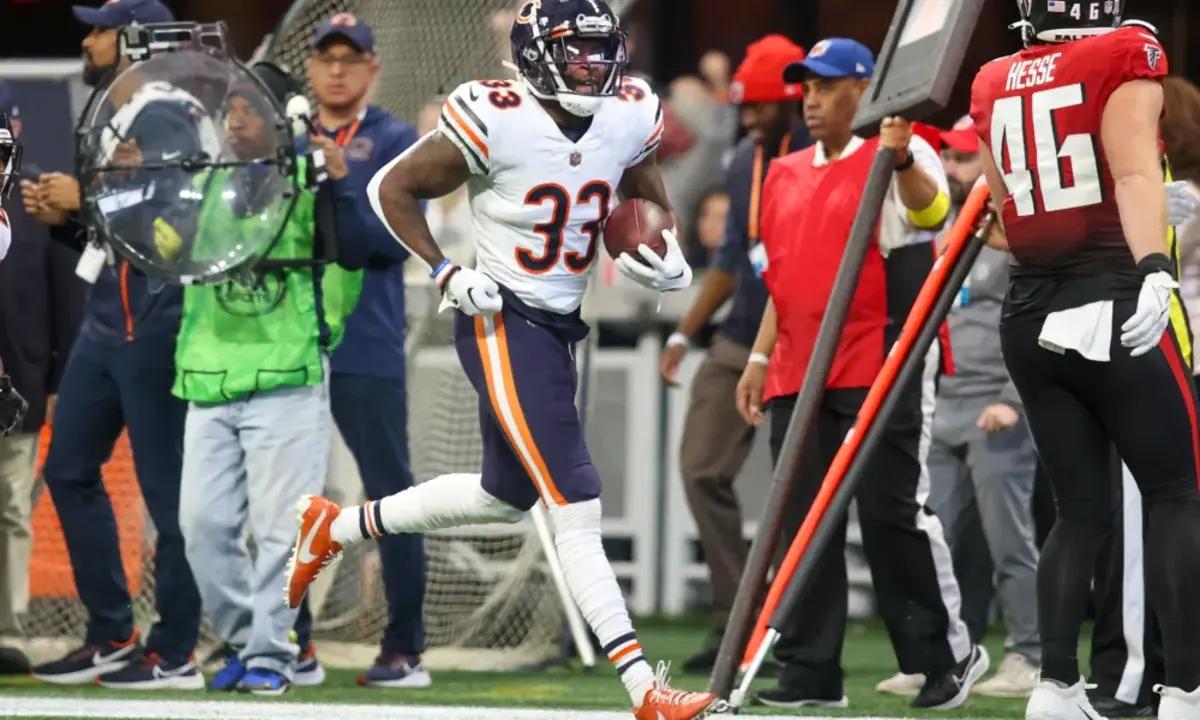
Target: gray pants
column 245, row 463
column 17, row 457
column 988, row 480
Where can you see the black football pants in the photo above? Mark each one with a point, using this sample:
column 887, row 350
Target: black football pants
column 1146, row 407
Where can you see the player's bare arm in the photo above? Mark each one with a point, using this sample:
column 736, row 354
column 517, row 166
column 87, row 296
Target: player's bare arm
column 749, row 391
column 644, row 180
column 1129, row 133
column 430, row 169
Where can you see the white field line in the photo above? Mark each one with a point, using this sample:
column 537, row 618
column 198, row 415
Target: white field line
column 283, row 710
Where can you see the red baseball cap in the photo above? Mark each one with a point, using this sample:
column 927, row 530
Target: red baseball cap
column 962, row 137
column 760, row 76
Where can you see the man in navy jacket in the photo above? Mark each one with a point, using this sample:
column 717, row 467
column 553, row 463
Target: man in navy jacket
column 367, row 386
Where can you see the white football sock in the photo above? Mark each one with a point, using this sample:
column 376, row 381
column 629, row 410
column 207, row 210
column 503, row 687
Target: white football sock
column 594, row 586
column 445, row 501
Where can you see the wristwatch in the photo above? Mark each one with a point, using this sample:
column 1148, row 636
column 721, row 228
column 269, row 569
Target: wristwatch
column 909, row 161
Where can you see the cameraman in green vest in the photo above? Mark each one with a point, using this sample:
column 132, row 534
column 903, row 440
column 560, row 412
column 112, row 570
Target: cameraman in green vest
column 251, row 361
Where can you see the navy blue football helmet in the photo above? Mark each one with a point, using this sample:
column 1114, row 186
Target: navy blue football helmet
column 571, row 51
column 1065, row 20
column 10, row 156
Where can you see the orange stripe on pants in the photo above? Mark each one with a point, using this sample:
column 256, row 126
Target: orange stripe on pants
column 519, row 437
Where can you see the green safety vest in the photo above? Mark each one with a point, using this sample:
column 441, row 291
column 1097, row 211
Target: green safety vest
column 236, row 340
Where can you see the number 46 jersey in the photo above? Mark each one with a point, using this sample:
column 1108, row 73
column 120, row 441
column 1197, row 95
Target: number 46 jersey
column 538, row 198
column 1039, row 111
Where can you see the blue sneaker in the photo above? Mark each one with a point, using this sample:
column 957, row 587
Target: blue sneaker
column 394, row 670
column 227, row 679
column 261, row 681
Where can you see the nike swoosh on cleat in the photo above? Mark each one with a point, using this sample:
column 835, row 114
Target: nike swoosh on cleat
column 471, row 92
column 306, row 555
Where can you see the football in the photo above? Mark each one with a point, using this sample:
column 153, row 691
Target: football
column 636, row 222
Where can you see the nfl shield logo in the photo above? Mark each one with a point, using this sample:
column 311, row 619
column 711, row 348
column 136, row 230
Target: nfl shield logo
column 1153, row 55
column 576, row 158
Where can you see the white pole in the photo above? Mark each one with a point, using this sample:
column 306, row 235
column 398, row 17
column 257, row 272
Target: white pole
column 579, row 633
column 738, row 698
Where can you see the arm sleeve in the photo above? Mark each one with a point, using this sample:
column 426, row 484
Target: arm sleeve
column 646, row 119
column 463, row 122
column 362, row 238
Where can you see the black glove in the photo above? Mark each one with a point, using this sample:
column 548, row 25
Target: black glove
column 12, row 407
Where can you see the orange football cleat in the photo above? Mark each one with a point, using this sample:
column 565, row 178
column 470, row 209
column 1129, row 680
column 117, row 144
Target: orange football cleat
column 314, row 549
column 664, row 702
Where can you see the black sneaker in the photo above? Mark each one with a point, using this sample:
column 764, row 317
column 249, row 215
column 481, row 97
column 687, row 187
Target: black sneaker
column 88, row 662
column 151, row 672
column 946, row 690
column 1110, row 707
column 783, row 696
column 13, row 661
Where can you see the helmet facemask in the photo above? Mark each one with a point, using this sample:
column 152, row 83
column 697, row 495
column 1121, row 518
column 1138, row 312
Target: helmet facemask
column 10, row 160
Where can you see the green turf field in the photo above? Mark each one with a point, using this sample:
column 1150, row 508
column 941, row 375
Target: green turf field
column 868, row 658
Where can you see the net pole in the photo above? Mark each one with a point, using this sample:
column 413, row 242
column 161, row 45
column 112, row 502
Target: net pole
column 813, row 388
column 849, row 465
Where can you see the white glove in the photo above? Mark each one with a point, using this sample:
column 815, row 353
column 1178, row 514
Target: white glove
column 470, row 291
column 1142, row 332
column 658, row 273
column 1181, row 202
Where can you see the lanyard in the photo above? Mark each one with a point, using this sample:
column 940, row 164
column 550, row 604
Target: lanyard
column 346, row 134
column 756, row 186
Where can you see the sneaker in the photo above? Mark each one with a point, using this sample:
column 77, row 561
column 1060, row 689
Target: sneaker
column 663, row 702
column 151, row 672
column 1110, row 707
column 228, row 677
column 1016, row 678
column 1177, row 704
column 88, row 662
column 904, row 684
column 946, row 690
column 784, row 696
column 309, row 672
column 314, row 549
column 261, row 681
column 13, row 661
column 1050, row 700
column 394, row 670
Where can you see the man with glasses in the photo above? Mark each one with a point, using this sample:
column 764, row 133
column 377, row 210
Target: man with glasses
column 367, row 383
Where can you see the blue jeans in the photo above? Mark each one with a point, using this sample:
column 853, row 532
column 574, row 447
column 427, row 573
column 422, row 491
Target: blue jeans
column 103, row 390
column 248, row 461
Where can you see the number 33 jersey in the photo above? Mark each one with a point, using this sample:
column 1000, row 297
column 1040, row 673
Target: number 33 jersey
column 539, row 199
column 1039, row 112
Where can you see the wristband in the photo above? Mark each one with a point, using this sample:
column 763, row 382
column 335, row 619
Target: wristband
column 440, row 267
column 678, row 339
column 758, row 358
column 908, row 162
column 1156, row 262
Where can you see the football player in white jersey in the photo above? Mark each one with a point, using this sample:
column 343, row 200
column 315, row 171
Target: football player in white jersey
column 543, row 158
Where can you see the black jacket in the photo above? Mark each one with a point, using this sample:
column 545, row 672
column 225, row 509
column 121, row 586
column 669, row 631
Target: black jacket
column 41, row 305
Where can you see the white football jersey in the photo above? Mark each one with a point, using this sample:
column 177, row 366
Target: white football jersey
column 538, row 199
column 5, row 234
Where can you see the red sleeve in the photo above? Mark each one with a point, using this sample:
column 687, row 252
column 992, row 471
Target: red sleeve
column 1141, row 55
column 981, row 101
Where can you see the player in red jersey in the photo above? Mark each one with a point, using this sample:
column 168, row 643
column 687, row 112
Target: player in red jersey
column 1070, row 126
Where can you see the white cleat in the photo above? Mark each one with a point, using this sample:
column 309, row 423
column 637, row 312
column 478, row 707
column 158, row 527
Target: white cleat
column 902, row 684
column 1051, row 701
column 1177, row 704
column 1017, row 677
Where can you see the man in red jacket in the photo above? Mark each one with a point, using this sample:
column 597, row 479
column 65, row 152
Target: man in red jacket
column 809, row 203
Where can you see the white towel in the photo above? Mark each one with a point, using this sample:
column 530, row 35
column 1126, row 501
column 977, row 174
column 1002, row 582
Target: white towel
column 1086, row 329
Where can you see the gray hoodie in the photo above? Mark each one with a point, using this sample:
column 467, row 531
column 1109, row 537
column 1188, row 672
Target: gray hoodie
column 975, row 335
